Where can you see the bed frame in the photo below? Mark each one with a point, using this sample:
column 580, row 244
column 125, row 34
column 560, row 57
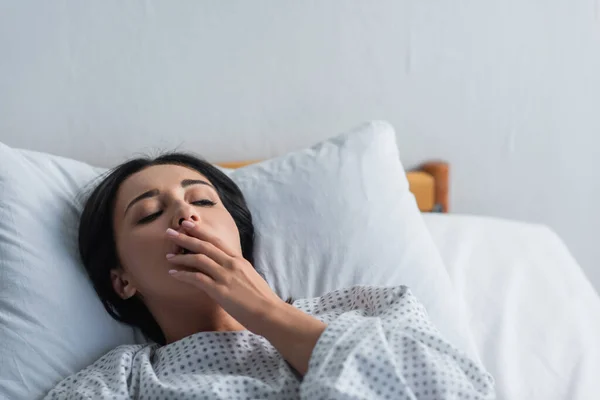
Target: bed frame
column 429, row 183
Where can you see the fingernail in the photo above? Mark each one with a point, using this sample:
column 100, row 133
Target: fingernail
column 172, row 271
column 187, row 224
column 172, row 232
column 170, row 255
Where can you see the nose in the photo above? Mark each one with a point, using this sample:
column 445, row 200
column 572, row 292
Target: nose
column 185, row 213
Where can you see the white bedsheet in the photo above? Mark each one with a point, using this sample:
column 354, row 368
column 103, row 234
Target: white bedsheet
column 534, row 315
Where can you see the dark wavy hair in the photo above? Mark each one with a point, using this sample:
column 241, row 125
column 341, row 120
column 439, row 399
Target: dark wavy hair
column 97, row 246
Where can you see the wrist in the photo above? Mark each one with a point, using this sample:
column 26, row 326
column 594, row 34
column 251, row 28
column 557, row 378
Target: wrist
column 285, row 318
column 293, row 333
column 271, row 318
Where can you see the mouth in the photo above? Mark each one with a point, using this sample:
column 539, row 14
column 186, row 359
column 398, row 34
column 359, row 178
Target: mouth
column 182, row 250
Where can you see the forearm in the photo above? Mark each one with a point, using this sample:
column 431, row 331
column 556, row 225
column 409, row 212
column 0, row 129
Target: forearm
column 293, row 333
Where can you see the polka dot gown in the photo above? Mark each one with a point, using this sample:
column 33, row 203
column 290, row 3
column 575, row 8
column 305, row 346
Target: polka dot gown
column 379, row 344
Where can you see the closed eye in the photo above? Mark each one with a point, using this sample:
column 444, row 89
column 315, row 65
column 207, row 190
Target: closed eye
column 152, row 217
column 204, row 203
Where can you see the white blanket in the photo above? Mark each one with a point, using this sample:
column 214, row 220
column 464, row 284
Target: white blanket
column 379, row 344
column 534, row 315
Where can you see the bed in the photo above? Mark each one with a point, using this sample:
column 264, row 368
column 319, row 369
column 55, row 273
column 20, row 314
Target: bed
column 534, row 315
column 508, row 293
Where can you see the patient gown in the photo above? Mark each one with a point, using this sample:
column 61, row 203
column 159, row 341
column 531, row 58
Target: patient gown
column 378, row 344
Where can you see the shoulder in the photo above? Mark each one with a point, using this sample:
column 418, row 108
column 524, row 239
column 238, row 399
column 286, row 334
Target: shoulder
column 118, row 359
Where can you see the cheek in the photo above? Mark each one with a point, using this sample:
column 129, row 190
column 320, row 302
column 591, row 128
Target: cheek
column 230, row 231
column 143, row 253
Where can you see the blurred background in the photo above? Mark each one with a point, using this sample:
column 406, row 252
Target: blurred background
column 507, row 91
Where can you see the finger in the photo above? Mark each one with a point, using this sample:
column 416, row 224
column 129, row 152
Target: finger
column 198, row 279
column 199, row 246
column 201, row 232
column 198, row 262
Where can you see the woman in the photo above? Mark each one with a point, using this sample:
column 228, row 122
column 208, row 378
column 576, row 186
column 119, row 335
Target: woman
column 167, row 243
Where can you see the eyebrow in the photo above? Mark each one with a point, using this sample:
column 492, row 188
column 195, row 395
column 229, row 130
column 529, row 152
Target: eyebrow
column 155, row 192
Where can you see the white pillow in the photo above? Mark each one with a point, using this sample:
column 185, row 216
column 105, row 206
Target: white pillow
column 340, row 213
column 52, row 323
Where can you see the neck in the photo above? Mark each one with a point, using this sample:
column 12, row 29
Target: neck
column 178, row 321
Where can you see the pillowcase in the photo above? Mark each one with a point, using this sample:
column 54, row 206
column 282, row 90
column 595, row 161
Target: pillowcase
column 52, row 323
column 341, row 213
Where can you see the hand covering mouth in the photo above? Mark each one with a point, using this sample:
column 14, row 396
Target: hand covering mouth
column 182, row 250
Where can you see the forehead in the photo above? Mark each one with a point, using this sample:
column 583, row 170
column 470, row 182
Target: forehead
column 155, row 177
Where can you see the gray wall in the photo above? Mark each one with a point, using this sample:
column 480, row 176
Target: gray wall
column 507, row 91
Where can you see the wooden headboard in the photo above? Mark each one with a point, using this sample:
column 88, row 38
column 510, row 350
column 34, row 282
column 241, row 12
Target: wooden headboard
column 429, row 183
